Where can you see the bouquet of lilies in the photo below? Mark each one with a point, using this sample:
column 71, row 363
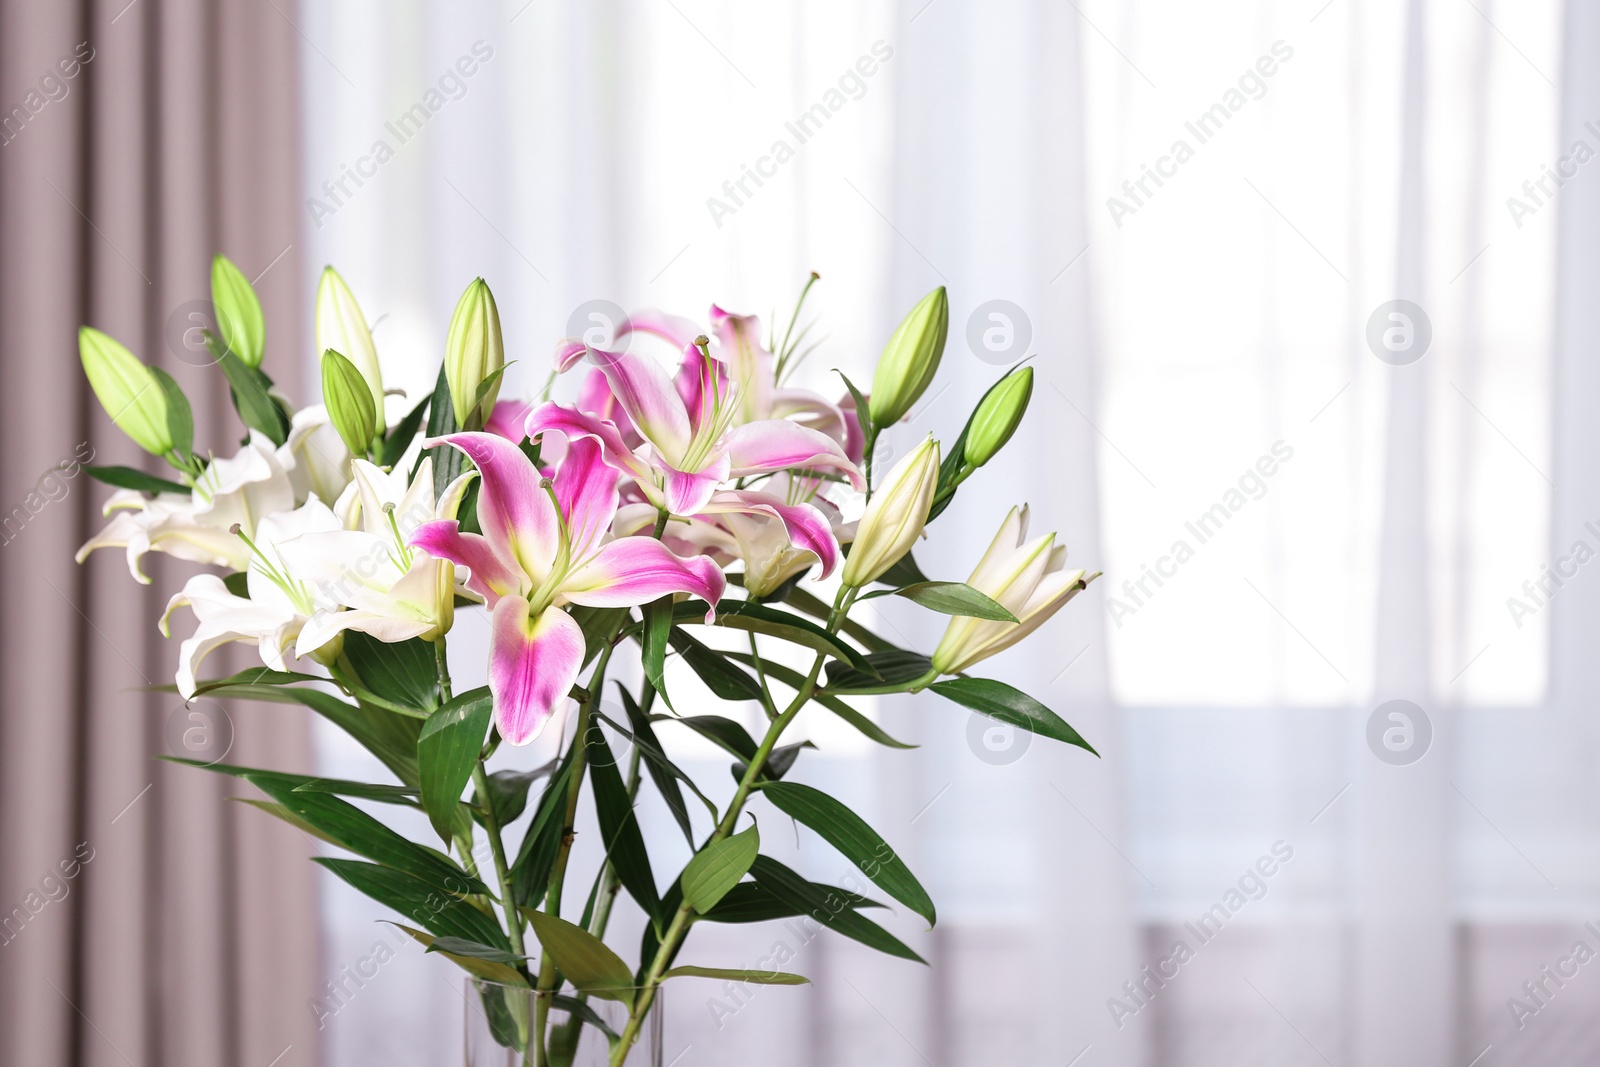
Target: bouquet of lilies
column 341, row 540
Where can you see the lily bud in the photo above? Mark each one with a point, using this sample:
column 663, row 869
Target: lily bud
column 127, row 390
column 473, row 350
column 444, row 603
column 342, row 327
column 1028, row 579
column 349, row 403
column 895, row 515
column 910, row 359
column 997, row 417
column 239, row 318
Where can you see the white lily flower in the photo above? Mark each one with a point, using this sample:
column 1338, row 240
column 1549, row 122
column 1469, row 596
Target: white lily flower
column 239, row 490
column 1027, row 579
column 315, row 456
column 392, row 591
column 277, row 608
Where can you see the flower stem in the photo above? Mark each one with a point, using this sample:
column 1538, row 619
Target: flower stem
column 685, row 914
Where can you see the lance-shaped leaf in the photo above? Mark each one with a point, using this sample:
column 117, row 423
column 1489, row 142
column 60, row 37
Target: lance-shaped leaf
column 860, row 843
column 447, row 750
column 762, row 619
column 739, row 974
column 892, row 670
column 952, row 598
column 828, row 906
column 721, row 677
column 794, row 680
column 582, row 957
column 530, row 874
column 129, row 478
column 719, row 867
column 480, row 961
column 1010, row 705
column 401, row 672
column 753, row 902
column 619, row 829
column 434, row 911
column 663, row 772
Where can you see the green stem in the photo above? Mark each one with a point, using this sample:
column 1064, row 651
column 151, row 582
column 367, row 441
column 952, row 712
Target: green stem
column 685, row 914
column 558, row 872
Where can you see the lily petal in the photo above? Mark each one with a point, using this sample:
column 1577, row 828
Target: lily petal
column 574, row 424
column 637, row 570
column 807, row 527
column 489, row 576
column 642, row 387
column 702, row 383
column 775, row 445
column 586, row 492
column 514, row 511
column 532, row 664
column 675, row 329
column 687, row 493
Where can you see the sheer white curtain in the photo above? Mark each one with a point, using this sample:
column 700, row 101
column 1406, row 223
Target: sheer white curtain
column 1352, row 526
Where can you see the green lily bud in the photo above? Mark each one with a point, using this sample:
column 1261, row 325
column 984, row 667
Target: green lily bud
column 910, row 359
column 127, row 389
column 473, row 351
column 998, row 415
column 895, row 515
column 239, row 318
column 349, row 402
column 342, row 327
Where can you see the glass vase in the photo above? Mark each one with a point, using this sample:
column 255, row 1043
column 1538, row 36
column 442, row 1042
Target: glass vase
column 503, row 1024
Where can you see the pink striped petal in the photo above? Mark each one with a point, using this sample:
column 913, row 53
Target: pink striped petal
column 636, row 570
column 674, row 329
column 507, row 418
column 807, row 527
column 574, row 424
column 809, row 409
column 702, row 384
column 686, row 493
column 568, row 351
column 586, row 491
column 775, row 445
column 739, row 341
column 596, row 399
column 855, row 439
column 491, row 577
column 642, row 387
column 532, row 665
column 514, row 511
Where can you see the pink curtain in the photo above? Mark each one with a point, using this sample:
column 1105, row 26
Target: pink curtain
column 145, row 921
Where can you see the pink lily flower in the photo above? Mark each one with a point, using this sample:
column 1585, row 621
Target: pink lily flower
column 545, row 544
column 692, row 440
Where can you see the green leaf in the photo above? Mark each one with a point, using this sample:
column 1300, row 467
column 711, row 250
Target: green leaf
column 599, row 626
column 719, row 867
column 778, row 762
column 752, row 902
column 762, row 619
column 863, row 409
column 438, row 913
column 828, row 906
column 390, row 737
column 283, row 813
column 399, row 437
column 355, row 830
column 388, row 794
column 487, row 966
column 180, row 418
column 723, row 732
column 619, row 829
column 508, row 792
column 1010, row 705
column 721, row 677
column 904, row 572
column 129, row 478
column 583, row 958
column 956, row 598
column 447, row 750
column 794, row 680
column 401, row 672
column 801, row 600
column 894, row 670
column 455, row 946
column 858, row 842
column 663, row 772
column 250, row 397
column 447, row 462
column 739, row 975
column 530, row 874
column 653, row 641
column 238, row 583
